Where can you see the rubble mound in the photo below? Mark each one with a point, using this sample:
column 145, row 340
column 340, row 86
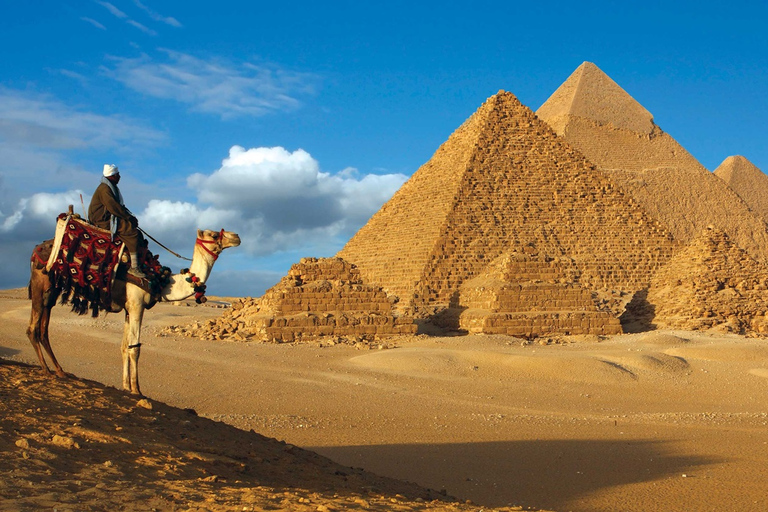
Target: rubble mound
column 710, row 283
column 317, row 298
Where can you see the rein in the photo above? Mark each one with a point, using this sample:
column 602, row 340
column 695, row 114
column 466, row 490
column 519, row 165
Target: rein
column 202, row 243
column 164, row 247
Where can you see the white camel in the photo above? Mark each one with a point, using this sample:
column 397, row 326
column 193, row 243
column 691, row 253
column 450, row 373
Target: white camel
column 125, row 295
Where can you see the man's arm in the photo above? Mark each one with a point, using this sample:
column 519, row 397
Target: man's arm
column 111, row 204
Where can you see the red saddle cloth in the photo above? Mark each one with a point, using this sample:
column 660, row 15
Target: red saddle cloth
column 84, row 267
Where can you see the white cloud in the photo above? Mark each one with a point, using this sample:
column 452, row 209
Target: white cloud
column 94, row 23
column 37, row 214
column 214, row 86
column 112, row 9
column 281, row 199
column 74, row 75
column 141, row 27
column 157, row 16
column 258, row 174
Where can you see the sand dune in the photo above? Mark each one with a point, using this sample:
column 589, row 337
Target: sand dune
column 670, row 420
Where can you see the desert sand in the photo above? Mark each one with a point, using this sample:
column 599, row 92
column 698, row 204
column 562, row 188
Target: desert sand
column 664, row 420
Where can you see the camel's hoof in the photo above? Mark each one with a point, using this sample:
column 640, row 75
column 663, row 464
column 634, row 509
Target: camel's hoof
column 61, row 375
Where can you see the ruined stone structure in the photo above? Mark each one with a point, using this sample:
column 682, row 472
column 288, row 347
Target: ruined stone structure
column 504, row 180
column 529, row 293
column 318, row 297
column 748, row 181
column 617, row 134
column 710, row 283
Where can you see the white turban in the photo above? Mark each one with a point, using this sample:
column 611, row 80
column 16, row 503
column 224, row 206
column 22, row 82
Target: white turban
column 110, row 170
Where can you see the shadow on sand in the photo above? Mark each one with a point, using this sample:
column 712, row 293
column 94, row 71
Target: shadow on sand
column 551, row 474
column 8, row 352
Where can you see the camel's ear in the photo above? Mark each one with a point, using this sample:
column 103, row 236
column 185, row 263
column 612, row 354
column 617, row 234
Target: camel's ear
column 199, row 233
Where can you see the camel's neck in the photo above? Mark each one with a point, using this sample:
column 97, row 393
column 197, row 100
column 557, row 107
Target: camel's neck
column 179, row 288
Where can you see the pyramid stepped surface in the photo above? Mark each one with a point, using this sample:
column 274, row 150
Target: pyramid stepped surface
column 318, row 298
column 504, row 179
column 748, row 181
column 710, row 283
column 529, row 294
column 650, row 166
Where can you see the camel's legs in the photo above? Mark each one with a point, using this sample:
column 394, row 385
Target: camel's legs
column 131, row 350
column 45, row 320
column 42, row 301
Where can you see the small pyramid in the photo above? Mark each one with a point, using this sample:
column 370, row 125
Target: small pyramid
column 615, row 133
column 530, row 293
column 591, row 94
column 501, row 181
column 710, row 283
column 747, row 180
column 318, row 298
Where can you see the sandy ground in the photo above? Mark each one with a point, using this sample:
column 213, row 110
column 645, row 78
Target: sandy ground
column 656, row 421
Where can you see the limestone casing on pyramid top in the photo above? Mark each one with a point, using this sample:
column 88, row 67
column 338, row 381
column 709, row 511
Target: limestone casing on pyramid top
column 738, row 167
column 591, row 94
column 747, row 180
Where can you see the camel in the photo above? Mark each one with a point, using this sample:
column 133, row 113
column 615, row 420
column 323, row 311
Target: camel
column 125, row 296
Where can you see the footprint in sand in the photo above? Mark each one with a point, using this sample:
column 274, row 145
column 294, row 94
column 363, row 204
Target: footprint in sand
column 760, row 372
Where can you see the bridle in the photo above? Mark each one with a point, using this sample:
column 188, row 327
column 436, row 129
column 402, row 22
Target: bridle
column 203, row 244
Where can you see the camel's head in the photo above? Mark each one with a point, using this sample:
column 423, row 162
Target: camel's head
column 216, row 241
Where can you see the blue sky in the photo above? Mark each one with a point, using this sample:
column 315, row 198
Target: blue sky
column 291, row 123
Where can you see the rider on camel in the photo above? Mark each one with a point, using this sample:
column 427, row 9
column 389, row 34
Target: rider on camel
column 107, row 211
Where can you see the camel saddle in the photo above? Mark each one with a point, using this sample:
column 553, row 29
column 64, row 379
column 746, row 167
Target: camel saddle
column 84, row 260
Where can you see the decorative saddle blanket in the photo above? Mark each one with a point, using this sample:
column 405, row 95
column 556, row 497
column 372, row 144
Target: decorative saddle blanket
column 84, row 261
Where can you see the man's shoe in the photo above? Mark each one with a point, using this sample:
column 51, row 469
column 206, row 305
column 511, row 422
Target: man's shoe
column 136, row 272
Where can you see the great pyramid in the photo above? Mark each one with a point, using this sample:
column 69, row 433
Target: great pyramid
column 746, row 180
column 503, row 181
column 710, row 283
column 617, row 134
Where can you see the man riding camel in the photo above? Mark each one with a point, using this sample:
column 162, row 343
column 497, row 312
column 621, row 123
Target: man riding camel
column 107, row 211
